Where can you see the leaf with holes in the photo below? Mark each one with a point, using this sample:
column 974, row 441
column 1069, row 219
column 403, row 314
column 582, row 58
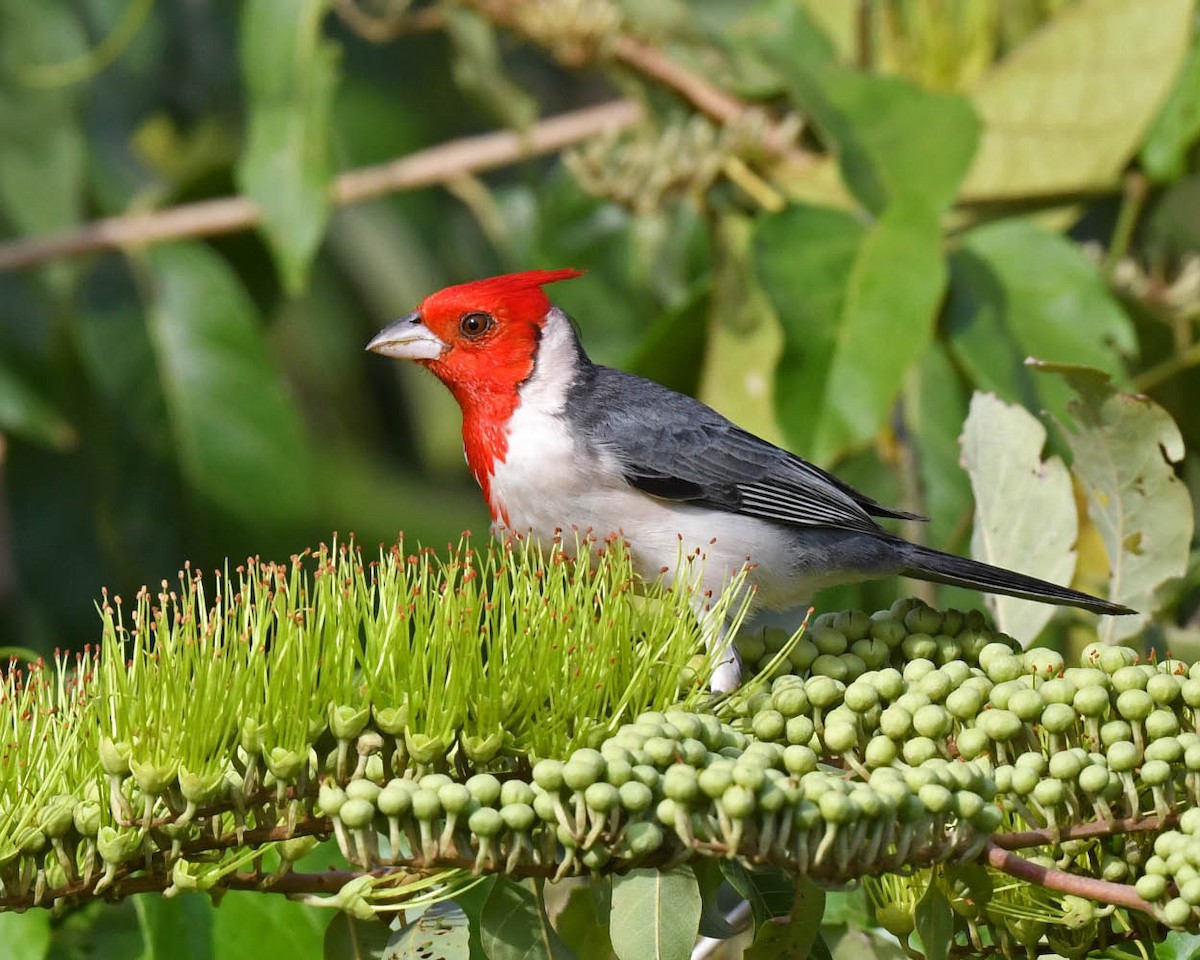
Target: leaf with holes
column 655, row 915
column 1025, row 516
column 441, row 932
column 1124, row 447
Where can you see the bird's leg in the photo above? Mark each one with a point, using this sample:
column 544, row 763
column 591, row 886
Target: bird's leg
column 727, row 665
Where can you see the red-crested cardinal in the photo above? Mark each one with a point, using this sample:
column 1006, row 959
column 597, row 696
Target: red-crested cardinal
column 556, row 441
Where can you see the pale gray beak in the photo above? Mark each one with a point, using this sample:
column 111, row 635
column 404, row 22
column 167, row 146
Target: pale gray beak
column 408, row 339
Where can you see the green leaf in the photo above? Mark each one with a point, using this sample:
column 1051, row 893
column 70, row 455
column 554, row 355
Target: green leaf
column 935, row 406
column 250, row 926
column 1178, row 946
column 1177, row 126
column 655, row 914
column 1067, row 109
column 238, row 434
column 480, row 73
column 769, row 891
column 857, row 944
column 514, row 925
column 180, row 927
column 24, row 412
column 348, row 938
column 841, row 291
column 441, row 932
column 291, row 75
column 578, row 926
column 869, row 121
column 25, row 936
column 1025, row 516
column 710, row 880
column 1018, row 291
column 43, row 161
column 1124, row 446
column 935, row 923
column 795, row 936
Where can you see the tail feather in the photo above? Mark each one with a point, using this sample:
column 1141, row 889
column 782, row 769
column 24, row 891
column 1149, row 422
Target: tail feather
column 924, row 563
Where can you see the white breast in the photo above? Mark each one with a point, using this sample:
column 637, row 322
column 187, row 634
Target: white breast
column 547, row 484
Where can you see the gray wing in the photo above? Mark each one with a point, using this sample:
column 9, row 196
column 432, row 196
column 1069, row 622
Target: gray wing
column 674, row 447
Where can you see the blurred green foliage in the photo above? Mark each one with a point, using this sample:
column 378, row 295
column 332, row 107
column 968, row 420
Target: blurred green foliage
column 973, row 184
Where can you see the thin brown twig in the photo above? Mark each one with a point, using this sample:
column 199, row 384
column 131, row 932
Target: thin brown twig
column 385, row 27
column 424, row 168
column 1091, row 888
column 1017, row 840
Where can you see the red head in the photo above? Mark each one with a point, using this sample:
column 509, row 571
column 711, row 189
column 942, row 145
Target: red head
column 481, row 340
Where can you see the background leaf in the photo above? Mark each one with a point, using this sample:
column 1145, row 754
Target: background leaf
column 1125, row 446
column 578, row 926
column 935, row 923
column 1019, row 291
column 348, row 938
column 177, row 928
column 795, row 937
column 655, row 914
column 291, row 76
column 1067, row 109
column 1177, row 126
column 250, row 926
column 25, row 936
column 840, row 291
column 26, row 413
column 240, row 442
column 1025, row 516
column 514, row 925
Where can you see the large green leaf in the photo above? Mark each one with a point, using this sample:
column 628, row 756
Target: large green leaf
column 1124, row 448
column 857, row 306
column 238, row 434
column 935, row 923
column 934, row 409
column 1019, row 291
column 179, row 928
column 869, row 121
column 290, row 74
column 1025, row 516
column 579, row 927
column 24, row 936
column 1067, row 109
column 251, row 926
column 1177, row 126
column 514, row 926
column 42, row 162
column 24, row 412
column 655, row 914
column 349, row 938
column 794, row 937
column 768, row 890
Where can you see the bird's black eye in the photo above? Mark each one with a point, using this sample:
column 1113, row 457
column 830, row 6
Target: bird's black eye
column 475, row 325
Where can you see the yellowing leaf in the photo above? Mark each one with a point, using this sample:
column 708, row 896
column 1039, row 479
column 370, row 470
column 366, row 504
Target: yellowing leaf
column 1025, row 517
column 1066, row 111
column 1124, row 446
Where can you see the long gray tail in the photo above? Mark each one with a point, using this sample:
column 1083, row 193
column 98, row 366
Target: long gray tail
column 924, row 563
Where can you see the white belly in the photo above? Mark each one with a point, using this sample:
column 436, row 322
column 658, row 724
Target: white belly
column 544, row 487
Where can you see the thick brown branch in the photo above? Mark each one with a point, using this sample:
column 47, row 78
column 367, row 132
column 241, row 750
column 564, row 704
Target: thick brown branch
column 1082, row 831
column 1102, row 891
column 422, row 169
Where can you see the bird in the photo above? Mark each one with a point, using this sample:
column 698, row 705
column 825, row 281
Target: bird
column 557, row 442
